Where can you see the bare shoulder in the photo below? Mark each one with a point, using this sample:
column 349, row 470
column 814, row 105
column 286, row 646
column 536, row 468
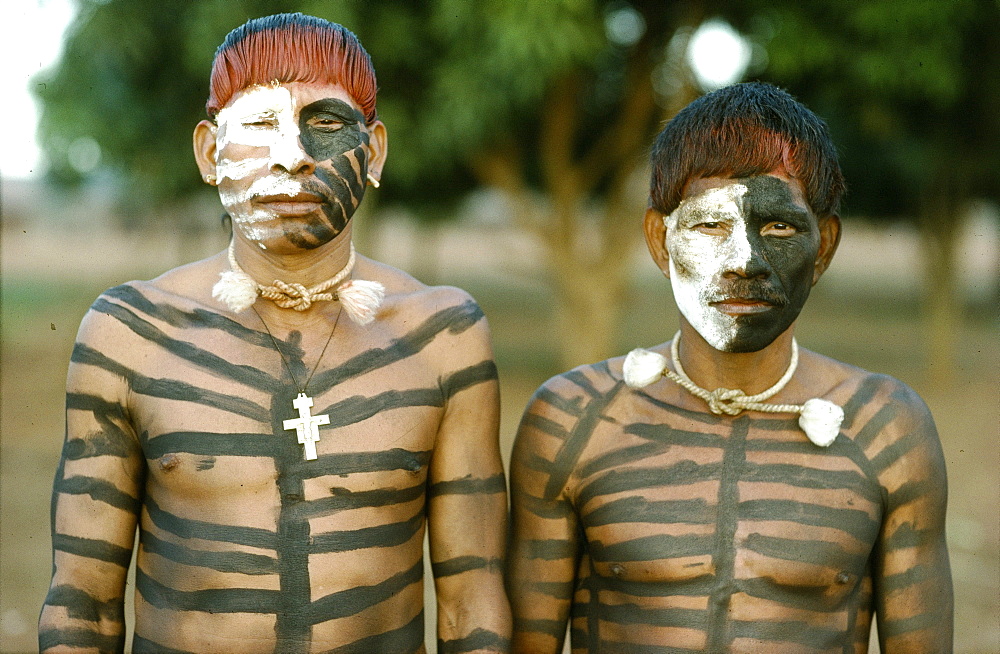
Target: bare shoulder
column 885, row 418
column 565, row 410
column 409, row 303
column 861, row 392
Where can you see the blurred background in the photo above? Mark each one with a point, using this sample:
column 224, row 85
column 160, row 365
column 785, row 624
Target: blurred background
column 519, row 133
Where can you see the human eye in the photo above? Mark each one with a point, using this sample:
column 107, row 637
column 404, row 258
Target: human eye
column 710, row 227
column 260, row 122
column 779, row 228
column 328, row 123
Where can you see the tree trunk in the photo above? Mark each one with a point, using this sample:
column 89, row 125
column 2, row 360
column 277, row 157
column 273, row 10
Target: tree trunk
column 589, row 303
column 939, row 226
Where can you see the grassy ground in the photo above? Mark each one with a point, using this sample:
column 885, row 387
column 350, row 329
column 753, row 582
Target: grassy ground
column 40, row 313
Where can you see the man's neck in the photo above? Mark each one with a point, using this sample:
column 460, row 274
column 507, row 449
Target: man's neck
column 306, row 267
column 750, row 372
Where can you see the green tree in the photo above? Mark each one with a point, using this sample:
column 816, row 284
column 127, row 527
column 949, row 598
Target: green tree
column 911, row 94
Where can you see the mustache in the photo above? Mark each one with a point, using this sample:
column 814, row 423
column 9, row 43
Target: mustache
column 287, row 185
column 753, row 290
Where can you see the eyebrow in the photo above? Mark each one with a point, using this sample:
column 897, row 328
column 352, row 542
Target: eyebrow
column 333, row 106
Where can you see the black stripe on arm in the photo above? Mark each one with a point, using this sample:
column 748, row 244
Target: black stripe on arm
column 99, row 490
column 920, row 622
column 81, row 638
column 468, row 377
column 572, row 448
column 549, row 549
column 82, row 606
column 569, row 406
column 918, row 574
column 478, row 639
column 544, row 425
column 469, row 486
column 461, row 564
column 91, row 548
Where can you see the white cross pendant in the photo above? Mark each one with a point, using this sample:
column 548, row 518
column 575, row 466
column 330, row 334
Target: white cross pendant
column 306, row 426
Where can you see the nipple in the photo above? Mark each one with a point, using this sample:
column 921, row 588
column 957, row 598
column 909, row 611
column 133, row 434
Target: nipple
column 169, row 461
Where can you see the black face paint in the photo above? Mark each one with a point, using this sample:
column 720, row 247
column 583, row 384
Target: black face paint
column 331, row 133
column 784, row 264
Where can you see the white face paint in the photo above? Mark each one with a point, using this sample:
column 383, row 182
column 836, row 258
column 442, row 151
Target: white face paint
column 263, row 116
column 697, row 259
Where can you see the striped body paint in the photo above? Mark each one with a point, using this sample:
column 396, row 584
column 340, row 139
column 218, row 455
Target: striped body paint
column 651, row 525
column 174, row 424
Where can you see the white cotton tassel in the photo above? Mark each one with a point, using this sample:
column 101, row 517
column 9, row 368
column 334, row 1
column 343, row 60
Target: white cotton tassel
column 361, row 299
column 820, row 420
column 235, row 289
column 642, row 367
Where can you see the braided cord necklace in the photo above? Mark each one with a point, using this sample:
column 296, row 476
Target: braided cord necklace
column 306, row 426
column 820, row 419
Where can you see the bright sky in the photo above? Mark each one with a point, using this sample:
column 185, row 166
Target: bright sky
column 30, row 40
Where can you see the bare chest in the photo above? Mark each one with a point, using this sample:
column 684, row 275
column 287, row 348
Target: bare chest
column 739, row 506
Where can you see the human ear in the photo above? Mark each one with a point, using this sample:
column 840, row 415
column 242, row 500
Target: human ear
column 829, row 239
column 656, row 239
column 205, row 150
column 378, row 148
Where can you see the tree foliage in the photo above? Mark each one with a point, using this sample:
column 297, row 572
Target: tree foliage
column 555, row 104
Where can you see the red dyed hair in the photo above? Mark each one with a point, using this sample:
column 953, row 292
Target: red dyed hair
column 741, row 131
column 292, row 48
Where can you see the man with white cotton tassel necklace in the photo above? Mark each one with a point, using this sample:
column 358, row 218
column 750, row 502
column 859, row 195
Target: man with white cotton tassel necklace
column 287, row 420
column 728, row 491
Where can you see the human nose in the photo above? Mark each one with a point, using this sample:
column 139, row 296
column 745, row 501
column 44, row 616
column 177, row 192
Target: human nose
column 744, row 257
column 288, row 155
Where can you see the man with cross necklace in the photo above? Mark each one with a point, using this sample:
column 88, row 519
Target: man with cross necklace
column 728, row 491
column 284, row 420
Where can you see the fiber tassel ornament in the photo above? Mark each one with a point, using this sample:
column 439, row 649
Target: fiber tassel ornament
column 642, row 367
column 235, row 289
column 360, row 299
column 820, row 419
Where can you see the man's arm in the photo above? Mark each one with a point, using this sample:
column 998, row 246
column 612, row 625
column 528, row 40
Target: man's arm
column 543, row 551
column 913, row 590
column 95, row 505
column 467, row 503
